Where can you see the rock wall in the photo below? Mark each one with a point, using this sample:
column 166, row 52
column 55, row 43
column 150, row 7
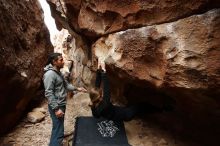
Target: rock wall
column 95, row 17
column 76, row 58
column 24, row 45
column 181, row 57
column 174, row 65
column 174, row 54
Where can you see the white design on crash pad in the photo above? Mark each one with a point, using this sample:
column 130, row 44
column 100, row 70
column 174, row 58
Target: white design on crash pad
column 107, row 128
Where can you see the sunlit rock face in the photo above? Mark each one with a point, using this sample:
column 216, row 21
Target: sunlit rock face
column 95, row 17
column 180, row 59
column 174, row 54
column 24, row 46
column 76, row 59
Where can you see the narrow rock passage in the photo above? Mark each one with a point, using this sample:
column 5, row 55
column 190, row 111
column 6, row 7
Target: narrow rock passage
column 139, row 133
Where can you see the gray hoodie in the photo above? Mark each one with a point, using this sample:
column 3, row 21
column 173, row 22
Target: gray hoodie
column 55, row 87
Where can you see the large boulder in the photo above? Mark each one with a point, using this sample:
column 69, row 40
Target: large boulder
column 182, row 54
column 24, row 46
column 95, row 17
column 180, row 60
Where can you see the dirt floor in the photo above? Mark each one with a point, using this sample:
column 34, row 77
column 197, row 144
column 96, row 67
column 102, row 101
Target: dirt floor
column 139, row 132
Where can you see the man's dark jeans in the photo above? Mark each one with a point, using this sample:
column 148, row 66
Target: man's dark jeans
column 57, row 133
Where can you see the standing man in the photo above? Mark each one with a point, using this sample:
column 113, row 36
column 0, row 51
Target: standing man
column 56, row 88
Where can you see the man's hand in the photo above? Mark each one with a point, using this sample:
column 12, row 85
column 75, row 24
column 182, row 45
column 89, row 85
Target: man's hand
column 81, row 89
column 59, row 113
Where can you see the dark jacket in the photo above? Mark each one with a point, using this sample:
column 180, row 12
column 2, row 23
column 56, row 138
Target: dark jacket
column 105, row 108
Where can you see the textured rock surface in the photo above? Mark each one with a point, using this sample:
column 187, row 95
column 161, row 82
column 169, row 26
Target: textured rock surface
column 181, row 59
column 35, row 116
column 95, row 17
column 175, row 54
column 24, row 45
column 182, row 54
column 42, row 110
column 76, row 55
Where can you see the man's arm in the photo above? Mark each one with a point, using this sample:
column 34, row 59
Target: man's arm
column 70, row 87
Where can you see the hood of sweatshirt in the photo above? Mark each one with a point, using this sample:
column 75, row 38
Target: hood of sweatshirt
column 48, row 67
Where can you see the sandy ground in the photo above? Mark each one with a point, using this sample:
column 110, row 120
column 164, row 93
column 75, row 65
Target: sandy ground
column 139, row 132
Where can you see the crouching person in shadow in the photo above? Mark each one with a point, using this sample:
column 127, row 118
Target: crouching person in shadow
column 101, row 105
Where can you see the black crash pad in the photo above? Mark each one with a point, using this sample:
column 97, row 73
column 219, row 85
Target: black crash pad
column 90, row 131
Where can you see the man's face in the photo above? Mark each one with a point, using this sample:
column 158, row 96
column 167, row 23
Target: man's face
column 59, row 62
